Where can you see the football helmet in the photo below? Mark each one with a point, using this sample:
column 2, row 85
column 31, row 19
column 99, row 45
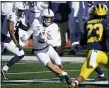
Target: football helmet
column 19, row 9
column 47, row 16
column 99, row 10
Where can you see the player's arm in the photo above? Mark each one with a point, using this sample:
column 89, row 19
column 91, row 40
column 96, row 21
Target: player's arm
column 11, row 31
column 27, row 34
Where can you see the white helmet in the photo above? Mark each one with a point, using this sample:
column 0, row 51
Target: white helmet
column 19, row 8
column 47, row 16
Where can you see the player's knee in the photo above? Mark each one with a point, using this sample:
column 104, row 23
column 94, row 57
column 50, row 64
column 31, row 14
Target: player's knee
column 21, row 53
column 19, row 57
column 49, row 64
column 58, row 62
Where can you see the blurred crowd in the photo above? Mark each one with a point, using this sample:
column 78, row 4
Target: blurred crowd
column 69, row 15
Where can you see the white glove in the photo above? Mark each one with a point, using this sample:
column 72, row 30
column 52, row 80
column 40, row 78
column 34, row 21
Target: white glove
column 23, row 38
column 43, row 36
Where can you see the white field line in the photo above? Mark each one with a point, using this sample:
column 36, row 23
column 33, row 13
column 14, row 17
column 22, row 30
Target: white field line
column 52, row 81
column 11, row 84
column 33, row 58
column 18, row 73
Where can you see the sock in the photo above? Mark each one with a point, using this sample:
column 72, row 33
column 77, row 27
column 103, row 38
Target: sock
column 76, row 81
column 102, row 75
column 14, row 60
column 64, row 73
column 98, row 70
column 5, row 68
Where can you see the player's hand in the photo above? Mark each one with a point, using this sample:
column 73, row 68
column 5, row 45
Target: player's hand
column 23, row 38
column 19, row 46
column 43, row 36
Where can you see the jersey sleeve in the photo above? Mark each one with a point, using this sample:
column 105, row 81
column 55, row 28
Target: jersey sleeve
column 11, row 16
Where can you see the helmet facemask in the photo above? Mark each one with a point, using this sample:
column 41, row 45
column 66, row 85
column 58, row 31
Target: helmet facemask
column 47, row 20
column 47, row 16
column 19, row 9
column 20, row 12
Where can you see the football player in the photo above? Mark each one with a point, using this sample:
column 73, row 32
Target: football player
column 46, row 35
column 95, row 36
column 11, row 24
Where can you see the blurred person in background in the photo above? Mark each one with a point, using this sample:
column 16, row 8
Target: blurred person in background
column 75, row 24
column 61, row 10
column 6, row 7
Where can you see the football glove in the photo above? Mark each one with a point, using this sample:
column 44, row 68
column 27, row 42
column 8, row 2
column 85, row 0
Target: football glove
column 23, row 38
column 19, row 46
column 43, row 36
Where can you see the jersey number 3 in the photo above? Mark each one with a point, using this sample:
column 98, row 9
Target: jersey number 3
column 95, row 32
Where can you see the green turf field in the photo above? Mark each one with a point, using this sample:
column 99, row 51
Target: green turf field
column 34, row 70
column 31, row 70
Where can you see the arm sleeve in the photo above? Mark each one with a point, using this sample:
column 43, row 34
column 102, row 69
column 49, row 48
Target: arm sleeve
column 28, row 33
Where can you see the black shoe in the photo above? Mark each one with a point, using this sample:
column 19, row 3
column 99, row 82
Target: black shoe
column 68, row 79
column 72, row 52
column 62, row 79
column 61, row 54
column 99, row 78
column 4, row 74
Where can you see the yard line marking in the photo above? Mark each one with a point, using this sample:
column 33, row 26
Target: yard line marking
column 12, row 84
column 18, row 73
column 53, row 81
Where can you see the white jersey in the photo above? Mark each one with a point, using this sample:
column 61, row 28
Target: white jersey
column 53, row 30
column 12, row 17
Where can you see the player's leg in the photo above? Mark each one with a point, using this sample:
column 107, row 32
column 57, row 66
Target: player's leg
column 18, row 55
column 63, row 28
column 100, row 75
column 86, row 70
column 44, row 58
column 57, row 61
column 72, row 28
column 84, row 73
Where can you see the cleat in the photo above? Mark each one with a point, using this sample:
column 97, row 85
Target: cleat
column 99, row 78
column 73, row 85
column 61, row 78
column 4, row 74
column 68, row 79
column 72, row 52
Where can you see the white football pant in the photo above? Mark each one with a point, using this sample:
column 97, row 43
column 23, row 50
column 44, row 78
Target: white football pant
column 48, row 54
column 12, row 48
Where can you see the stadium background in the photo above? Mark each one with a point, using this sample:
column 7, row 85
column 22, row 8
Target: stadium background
column 33, row 70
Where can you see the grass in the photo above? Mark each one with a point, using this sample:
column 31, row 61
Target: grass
column 38, row 71
column 72, row 69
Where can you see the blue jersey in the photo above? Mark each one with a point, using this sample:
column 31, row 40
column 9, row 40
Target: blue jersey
column 96, row 35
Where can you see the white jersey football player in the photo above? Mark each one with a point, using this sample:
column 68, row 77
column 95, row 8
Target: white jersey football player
column 9, row 41
column 46, row 35
column 75, row 23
